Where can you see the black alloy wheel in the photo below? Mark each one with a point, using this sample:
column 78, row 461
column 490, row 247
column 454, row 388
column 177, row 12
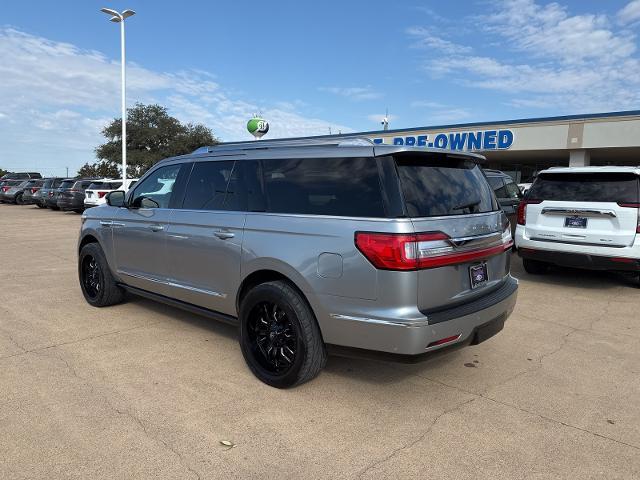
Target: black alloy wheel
column 273, row 338
column 91, row 276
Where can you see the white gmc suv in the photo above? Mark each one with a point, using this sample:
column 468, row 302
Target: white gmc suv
column 585, row 217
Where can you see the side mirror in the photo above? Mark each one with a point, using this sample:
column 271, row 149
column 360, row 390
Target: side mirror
column 115, row 198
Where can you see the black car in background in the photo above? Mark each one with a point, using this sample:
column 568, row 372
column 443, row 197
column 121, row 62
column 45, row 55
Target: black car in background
column 507, row 193
column 70, row 195
column 48, row 197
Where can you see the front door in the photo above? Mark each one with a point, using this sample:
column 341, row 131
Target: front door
column 139, row 232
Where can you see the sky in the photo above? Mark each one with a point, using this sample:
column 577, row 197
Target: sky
column 307, row 67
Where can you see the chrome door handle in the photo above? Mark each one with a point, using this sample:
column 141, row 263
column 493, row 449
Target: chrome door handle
column 106, row 223
column 224, row 234
column 156, row 228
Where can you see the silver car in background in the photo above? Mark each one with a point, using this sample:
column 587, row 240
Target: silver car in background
column 310, row 244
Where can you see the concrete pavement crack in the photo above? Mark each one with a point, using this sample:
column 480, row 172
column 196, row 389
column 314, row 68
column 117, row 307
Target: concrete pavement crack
column 72, row 342
column 530, row 412
column 126, row 413
column 415, row 441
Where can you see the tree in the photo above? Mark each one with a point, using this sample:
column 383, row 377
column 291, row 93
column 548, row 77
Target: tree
column 152, row 134
column 3, row 172
column 99, row 170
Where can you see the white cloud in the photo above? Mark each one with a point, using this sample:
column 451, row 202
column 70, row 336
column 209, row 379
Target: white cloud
column 558, row 61
column 550, row 32
column 424, row 38
column 354, row 93
column 57, row 97
column 630, row 13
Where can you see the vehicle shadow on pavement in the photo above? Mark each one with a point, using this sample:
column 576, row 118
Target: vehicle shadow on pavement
column 577, row 278
column 179, row 315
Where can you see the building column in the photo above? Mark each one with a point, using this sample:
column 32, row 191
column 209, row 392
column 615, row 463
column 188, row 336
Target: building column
column 579, row 158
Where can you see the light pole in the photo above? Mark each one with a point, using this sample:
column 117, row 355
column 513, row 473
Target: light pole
column 117, row 17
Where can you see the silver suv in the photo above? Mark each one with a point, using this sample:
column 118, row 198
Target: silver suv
column 310, row 244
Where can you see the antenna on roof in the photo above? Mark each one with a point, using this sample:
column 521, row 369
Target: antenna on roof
column 385, row 120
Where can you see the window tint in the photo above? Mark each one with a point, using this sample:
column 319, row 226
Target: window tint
column 495, row 182
column 48, row 183
column 67, row 184
column 105, row 185
column 510, row 190
column 435, row 185
column 586, row 187
column 155, row 190
column 56, row 182
column 324, row 186
column 214, row 186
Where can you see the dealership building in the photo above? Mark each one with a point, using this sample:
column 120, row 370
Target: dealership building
column 523, row 147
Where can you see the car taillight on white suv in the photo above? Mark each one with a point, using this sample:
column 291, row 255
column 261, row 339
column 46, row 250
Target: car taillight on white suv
column 391, row 251
column 522, row 210
column 633, row 205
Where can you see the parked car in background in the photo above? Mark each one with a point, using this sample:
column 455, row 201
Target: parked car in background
column 20, row 176
column 11, row 191
column 524, row 188
column 71, row 194
column 302, row 244
column 586, row 217
column 507, row 193
column 32, row 188
column 96, row 192
column 49, row 196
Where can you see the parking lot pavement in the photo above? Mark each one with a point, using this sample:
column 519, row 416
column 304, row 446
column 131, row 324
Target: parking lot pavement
column 144, row 390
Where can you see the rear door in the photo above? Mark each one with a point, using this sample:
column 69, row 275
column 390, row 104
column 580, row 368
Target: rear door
column 453, row 209
column 598, row 208
column 204, row 239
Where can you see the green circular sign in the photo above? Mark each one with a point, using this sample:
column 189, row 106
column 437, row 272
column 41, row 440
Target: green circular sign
column 257, row 127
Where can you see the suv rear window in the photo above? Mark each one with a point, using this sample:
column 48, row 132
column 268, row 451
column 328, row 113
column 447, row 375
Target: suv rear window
column 586, row 187
column 105, row 185
column 348, row 187
column 67, row 184
column 439, row 185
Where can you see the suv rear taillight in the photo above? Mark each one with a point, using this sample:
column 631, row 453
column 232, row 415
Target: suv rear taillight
column 102, row 194
column 391, row 251
column 633, row 205
column 522, row 210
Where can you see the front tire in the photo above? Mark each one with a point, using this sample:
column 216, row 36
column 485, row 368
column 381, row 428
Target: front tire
column 98, row 285
column 279, row 336
column 535, row 267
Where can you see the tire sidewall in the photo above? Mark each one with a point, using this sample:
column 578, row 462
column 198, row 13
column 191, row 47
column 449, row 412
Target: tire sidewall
column 271, row 293
column 94, row 250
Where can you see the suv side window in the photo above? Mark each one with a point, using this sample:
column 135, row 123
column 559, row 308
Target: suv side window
column 510, row 190
column 347, row 187
column 215, row 185
column 155, row 190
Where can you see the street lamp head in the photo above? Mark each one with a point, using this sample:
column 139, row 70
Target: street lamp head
column 115, row 19
column 111, row 12
column 127, row 14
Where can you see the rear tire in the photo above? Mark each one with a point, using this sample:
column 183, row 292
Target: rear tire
column 98, row 285
column 535, row 267
column 40, row 205
column 279, row 336
column 19, row 199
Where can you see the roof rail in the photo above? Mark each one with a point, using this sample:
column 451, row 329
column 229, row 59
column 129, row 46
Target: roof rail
column 305, row 142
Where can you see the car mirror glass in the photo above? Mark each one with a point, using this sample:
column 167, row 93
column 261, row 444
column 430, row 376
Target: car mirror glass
column 116, row 198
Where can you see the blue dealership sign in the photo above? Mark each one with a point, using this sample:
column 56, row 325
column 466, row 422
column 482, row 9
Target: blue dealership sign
column 479, row 140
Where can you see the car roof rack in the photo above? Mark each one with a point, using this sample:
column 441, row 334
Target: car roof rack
column 303, row 142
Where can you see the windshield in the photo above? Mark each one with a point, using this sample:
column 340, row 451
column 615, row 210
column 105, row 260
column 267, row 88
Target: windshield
column 586, row 187
column 442, row 185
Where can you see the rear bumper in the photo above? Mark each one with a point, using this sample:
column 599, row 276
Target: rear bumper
column 70, row 204
column 470, row 323
column 581, row 260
